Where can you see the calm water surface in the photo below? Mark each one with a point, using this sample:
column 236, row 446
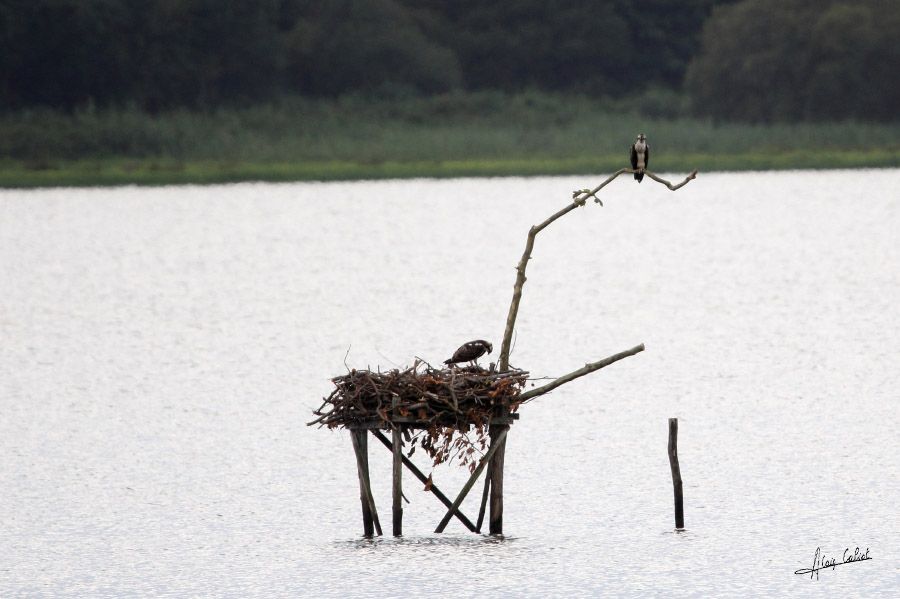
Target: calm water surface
column 161, row 350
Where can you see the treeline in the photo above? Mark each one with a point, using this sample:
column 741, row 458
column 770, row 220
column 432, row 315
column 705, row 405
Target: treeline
column 751, row 60
column 200, row 53
column 768, row 60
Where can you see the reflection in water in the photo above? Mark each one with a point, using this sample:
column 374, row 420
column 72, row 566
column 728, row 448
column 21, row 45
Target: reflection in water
column 163, row 348
column 464, row 543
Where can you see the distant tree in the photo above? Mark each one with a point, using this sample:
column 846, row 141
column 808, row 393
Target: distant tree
column 206, row 52
column 856, row 62
column 665, row 36
column 605, row 46
column 364, row 45
column 536, row 43
column 158, row 53
column 767, row 60
column 10, row 32
column 62, row 52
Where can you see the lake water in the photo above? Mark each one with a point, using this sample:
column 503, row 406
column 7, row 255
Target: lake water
column 162, row 349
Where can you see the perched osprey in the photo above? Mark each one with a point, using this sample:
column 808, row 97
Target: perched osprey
column 470, row 352
column 640, row 156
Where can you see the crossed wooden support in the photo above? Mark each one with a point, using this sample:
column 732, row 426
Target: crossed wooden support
column 493, row 482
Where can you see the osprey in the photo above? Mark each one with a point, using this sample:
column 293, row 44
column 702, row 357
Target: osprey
column 470, row 352
column 640, row 156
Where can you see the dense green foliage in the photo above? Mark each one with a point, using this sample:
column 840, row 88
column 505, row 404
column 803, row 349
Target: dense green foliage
column 157, row 53
column 753, row 60
column 605, row 47
column 765, row 60
column 205, row 53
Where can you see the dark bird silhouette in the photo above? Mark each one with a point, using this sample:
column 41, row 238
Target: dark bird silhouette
column 640, row 156
column 470, row 352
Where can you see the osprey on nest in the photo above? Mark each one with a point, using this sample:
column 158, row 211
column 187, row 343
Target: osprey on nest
column 470, row 352
column 640, row 156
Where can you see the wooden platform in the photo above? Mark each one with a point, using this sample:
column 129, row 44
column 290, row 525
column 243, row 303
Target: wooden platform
column 409, row 422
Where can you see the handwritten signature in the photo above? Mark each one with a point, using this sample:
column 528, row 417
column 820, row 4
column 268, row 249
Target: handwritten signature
column 821, row 562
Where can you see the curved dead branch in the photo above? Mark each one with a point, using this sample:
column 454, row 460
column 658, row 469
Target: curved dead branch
column 578, row 199
column 659, row 179
column 586, row 369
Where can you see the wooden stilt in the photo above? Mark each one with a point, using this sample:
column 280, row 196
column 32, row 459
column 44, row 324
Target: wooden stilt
column 397, row 485
column 360, row 452
column 370, row 514
column 434, row 489
column 498, row 442
column 484, row 498
column 676, row 472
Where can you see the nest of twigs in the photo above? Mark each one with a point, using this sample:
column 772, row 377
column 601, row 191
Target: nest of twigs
column 450, row 408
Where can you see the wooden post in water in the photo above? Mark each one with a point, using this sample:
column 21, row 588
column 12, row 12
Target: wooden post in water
column 496, row 446
column 676, row 472
column 498, row 436
column 397, row 486
column 361, row 449
column 484, row 499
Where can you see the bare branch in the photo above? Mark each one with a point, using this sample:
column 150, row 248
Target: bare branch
column 659, row 179
column 345, row 358
column 587, row 369
column 579, row 197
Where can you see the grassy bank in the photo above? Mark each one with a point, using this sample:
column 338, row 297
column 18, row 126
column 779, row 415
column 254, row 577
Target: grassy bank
column 160, row 172
column 456, row 135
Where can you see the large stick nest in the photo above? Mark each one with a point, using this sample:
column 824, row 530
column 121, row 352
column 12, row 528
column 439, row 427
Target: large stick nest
column 440, row 401
column 454, row 397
